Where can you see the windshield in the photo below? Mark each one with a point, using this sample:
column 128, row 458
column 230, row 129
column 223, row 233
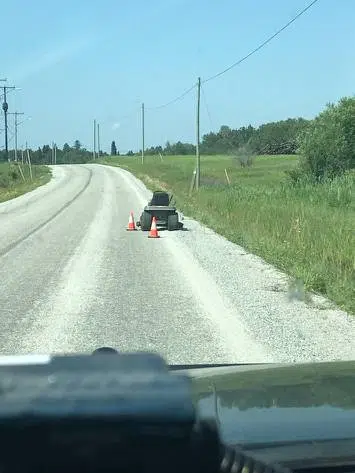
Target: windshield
column 178, row 177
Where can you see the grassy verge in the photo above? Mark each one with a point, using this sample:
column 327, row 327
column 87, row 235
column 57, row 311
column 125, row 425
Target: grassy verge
column 14, row 183
column 306, row 231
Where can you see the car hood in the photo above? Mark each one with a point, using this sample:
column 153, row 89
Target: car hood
column 278, row 403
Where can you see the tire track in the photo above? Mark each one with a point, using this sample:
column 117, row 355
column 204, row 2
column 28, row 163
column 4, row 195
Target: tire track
column 17, row 242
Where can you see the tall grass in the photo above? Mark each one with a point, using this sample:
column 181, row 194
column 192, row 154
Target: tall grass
column 307, row 230
column 13, row 182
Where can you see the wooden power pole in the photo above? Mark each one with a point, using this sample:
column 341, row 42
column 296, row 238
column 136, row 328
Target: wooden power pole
column 198, row 134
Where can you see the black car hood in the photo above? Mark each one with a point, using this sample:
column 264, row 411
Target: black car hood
column 278, row 403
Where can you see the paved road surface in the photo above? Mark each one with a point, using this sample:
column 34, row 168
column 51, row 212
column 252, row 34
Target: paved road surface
column 72, row 279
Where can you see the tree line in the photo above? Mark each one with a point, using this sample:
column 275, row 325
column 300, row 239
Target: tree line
column 76, row 154
column 326, row 144
column 278, row 137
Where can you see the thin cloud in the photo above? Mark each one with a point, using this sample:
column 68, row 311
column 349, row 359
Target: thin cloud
column 43, row 60
column 116, row 126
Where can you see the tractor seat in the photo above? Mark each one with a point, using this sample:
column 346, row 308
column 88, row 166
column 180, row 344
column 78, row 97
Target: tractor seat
column 160, row 199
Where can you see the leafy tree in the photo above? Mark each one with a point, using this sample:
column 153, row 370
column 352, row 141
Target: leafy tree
column 178, row 148
column 278, row 137
column 113, row 149
column 38, row 156
column 244, row 156
column 270, row 138
column 327, row 145
column 66, row 148
column 77, row 145
column 154, row 150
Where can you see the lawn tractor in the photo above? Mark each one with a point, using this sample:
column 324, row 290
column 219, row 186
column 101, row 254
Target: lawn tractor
column 160, row 207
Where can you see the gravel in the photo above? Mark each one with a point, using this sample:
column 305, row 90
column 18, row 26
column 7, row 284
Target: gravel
column 255, row 306
column 74, row 279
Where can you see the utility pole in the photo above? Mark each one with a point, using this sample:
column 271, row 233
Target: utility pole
column 5, row 107
column 94, row 150
column 54, row 153
column 16, row 114
column 142, row 133
column 198, row 134
column 98, row 140
column 16, row 126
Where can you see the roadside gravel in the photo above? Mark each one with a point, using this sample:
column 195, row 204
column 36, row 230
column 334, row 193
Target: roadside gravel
column 256, row 297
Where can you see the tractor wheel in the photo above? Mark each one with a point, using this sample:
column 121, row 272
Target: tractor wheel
column 146, row 221
column 173, row 222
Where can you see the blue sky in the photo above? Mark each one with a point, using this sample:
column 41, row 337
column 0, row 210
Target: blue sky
column 79, row 60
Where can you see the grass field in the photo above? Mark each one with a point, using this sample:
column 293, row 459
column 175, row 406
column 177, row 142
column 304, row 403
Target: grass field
column 306, row 231
column 13, row 183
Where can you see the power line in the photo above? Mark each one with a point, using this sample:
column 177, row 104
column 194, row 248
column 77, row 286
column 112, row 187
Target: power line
column 174, row 100
column 264, row 43
column 11, row 137
column 129, row 115
column 16, row 114
column 206, row 106
column 270, row 38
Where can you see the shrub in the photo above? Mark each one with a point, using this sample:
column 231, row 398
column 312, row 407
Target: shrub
column 327, row 146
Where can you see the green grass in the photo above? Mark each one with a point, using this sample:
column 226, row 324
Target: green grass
column 13, row 183
column 306, row 231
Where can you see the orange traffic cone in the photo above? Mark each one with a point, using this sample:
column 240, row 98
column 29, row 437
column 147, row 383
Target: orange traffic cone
column 153, row 229
column 131, row 224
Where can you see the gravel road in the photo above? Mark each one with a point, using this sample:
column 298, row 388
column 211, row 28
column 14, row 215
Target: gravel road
column 72, row 279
